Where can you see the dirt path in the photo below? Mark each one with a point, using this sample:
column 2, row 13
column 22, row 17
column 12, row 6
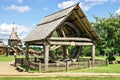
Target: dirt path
column 7, row 69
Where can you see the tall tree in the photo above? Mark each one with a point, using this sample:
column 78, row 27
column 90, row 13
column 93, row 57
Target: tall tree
column 109, row 32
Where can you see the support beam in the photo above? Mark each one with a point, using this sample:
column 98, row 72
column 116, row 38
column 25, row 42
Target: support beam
column 46, row 59
column 84, row 26
column 54, row 47
column 69, row 38
column 93, row 54
column 71, row 43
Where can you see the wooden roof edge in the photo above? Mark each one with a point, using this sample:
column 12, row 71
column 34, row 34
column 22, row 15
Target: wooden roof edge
column 63, row 9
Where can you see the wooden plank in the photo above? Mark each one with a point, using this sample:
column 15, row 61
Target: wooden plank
column 71, row 43
column 69, row 38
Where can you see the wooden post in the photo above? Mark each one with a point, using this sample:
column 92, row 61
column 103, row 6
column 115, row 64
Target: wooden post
column 46, row 60
column 93, row 54
column 27, row 48
column 27, row 57
column 39, row 67
column 89, row 63
column 67, row 65
column 107, row 62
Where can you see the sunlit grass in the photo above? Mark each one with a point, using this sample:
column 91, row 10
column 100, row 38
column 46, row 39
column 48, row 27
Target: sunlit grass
column 6, row 58
column 62, row 78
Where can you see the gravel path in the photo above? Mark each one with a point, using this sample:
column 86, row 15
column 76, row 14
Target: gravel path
column 7, row 69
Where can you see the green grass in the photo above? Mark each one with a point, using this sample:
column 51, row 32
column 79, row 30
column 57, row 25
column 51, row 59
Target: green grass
column 6, row 58
column 62, row 78
column 112, row 68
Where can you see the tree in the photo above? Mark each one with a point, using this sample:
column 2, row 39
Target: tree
column 109, row 31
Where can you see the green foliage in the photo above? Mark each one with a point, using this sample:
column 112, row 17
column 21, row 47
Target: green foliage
column 109, row 31
column 86, row 51
column 36, row 48
column 111, row 58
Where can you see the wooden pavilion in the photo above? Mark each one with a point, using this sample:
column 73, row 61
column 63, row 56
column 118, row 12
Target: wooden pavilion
column 72, row 29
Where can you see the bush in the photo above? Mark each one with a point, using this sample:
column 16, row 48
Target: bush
column 111, row 58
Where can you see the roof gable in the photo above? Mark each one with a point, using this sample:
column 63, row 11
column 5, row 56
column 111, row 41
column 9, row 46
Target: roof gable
column 53, row 21
column 13, row 35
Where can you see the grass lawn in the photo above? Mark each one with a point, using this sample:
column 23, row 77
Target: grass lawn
column 63, row 78
column 6, row 58
column 111, row 68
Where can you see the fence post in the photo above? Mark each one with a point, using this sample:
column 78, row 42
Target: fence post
column 107, row 62
column 28, row 65
column 89, row 63
column 15, row 62
column 67, row 66
column 39, row 67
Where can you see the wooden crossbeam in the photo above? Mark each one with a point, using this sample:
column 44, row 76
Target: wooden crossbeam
column 71, row 43
column 54, row 47
column 69, row 38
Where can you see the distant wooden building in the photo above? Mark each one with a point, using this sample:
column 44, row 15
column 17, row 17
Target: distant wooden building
column 14, row 44
column 2, row 48
column 72, row 29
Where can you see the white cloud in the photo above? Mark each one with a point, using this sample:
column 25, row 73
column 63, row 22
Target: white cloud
column 85, row 5
column 20, row 9
column 96, row 0
column 68, row 3
column 20, row 1
column 118, row 11
column 45, row 8
column 5, row 30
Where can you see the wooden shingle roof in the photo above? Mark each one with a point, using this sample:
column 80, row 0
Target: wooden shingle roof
column 54, row 21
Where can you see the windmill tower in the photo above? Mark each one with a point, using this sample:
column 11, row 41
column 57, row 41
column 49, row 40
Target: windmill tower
column 14, row 43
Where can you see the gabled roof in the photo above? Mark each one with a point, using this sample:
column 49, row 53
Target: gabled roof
column 54, row 21
column 13, row 35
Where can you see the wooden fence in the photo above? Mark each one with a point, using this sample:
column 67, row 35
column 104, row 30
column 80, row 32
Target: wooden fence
column 59, row 65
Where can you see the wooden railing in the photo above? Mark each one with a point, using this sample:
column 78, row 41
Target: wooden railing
column 60, row 65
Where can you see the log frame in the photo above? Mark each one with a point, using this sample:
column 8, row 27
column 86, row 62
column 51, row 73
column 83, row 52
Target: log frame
column 71, row 43
column 69, row 38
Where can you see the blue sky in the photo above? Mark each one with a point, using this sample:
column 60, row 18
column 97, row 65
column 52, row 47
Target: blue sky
column 28, row 13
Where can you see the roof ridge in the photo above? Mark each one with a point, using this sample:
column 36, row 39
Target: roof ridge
column 62, row 10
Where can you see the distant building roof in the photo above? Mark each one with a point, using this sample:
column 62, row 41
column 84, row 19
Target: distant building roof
column 13, row 35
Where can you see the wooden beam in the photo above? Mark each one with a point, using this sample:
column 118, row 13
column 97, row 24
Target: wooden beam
column 83, row 25
column 63, row 32
column 69, row 38
column 93, row 54
column 27, row 54
column 46, row 59
column 73, row 27
column 71, row 43
column 54, row 47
